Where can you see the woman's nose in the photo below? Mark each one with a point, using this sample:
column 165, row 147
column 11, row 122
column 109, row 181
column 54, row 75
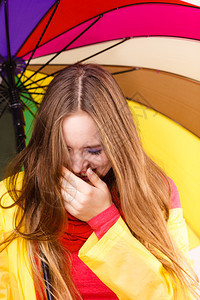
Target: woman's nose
column 79, row 164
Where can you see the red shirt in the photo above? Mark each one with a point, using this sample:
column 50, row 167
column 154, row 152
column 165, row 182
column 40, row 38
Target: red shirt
column 87, row 283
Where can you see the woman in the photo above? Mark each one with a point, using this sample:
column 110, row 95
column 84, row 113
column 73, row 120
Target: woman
column 90, row 204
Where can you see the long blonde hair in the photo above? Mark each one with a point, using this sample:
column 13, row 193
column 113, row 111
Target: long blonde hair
column 144, row 190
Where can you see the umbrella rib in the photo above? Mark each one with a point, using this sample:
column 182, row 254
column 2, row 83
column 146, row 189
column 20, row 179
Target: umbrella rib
column 7, row 32
column 104, row 50
column 1, row 113
column 126, row 71
column 32, row 88
column 24, row 104
column 47, row 12
column 30, row 99
column 4, row 97
column 2, row 88
column 147, row 103
column 22, row 87
column 86, row 29
column 32, row 93
column 52, row 74
column 2, row 100
column 45, row 29
column 4, row 79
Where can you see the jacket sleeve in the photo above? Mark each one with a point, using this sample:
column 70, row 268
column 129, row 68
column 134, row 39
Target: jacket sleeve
column 127, row 267
column 5, row 290
column 178, row 231
column 4, row 274
column 16, row 280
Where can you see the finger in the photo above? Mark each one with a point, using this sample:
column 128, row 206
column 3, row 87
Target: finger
column 67, row 197
column 69, row 192
column 95, row 179
column 67, row 177
column 71, row 204
column 68, row 186
column 74, row 180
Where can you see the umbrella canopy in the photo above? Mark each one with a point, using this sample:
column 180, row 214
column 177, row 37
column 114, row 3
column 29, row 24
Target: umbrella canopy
column 152, row 49
column 169, row 30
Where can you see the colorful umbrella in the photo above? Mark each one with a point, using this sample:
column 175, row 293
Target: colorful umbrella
column 152, row 48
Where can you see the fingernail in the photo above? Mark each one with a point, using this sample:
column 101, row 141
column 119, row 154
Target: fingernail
column 90, row 171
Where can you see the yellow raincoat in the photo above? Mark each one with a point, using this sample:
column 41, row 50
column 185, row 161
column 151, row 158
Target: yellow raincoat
column 118, row 259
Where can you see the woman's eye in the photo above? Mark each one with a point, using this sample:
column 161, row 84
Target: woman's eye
column 94, row 152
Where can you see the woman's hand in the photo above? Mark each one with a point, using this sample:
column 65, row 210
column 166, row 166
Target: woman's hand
column 83, row 200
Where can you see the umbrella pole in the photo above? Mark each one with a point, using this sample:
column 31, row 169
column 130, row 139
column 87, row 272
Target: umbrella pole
column 14, row 103
column 16, row 109
column 18, row 120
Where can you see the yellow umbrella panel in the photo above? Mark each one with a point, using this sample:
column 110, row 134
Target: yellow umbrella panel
column 32, row 95
column 176, row 150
